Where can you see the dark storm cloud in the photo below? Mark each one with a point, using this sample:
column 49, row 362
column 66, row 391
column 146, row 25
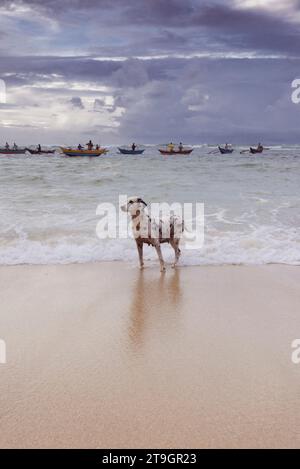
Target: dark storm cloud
column 250, row 29
column 215, row 100
column 22, row 70
column 153, row 26
column 198, row 99
column 222, row 25
column 176, row 95
column 149, row 10
column 130, row 73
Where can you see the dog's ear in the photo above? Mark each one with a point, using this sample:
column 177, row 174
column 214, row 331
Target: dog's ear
column 142, row 202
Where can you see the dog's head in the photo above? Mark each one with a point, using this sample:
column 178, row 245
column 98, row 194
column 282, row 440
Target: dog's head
column 134, row 206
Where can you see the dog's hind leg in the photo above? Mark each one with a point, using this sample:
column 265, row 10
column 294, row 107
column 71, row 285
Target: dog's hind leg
column 160, row 257
column 140, row 251
column 175, row 245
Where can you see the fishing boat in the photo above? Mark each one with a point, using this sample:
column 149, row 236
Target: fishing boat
column 89, row 153
column 12, row 151
column 41, row 152
column 181, row 151
column 130, row 151
column 225, row 151
column 256, row 150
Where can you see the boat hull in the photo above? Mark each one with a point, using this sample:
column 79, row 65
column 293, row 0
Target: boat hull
column 225, row 151
column 43, row 152
column 83, row 153
column 123, row 151
column 22, row 151
column 176, row 152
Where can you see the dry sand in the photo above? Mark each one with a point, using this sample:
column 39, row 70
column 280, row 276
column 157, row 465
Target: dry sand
column 103, row 355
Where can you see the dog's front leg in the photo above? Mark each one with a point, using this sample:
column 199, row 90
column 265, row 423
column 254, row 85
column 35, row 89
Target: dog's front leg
column 175, row 245
column 140, row 251
column 160, row 257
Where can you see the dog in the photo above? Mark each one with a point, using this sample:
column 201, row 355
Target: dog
column 148, row 231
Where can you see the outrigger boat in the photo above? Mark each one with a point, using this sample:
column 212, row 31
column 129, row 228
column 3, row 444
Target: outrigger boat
column 256, row 150
column 225, row 151
column 41, row 152
column 22, row 151
column 172, row 149
column 12, row 151
column 89, row 153
column 130, row 151
column 175, row 152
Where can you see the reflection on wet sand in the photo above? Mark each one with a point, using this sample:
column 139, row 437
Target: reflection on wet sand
column 156, row 302
column 199, row 357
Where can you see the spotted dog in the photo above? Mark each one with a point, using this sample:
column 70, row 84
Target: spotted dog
column 149, row 231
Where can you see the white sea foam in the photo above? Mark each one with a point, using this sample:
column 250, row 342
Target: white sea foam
column 252, row 205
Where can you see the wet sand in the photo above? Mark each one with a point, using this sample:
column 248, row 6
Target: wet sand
column 103, row 355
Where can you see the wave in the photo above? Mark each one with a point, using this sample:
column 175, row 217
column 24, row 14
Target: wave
column 48, row 206
column 264, row 245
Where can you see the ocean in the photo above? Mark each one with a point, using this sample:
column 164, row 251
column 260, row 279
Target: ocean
column 252, row 205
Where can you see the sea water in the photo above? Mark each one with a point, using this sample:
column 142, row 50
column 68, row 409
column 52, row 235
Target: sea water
column 252, row 204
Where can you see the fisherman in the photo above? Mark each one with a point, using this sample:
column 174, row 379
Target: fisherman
column 133, row 146
column 260, row 147
column 79, row 147
column 226, row 146
column 180, row 146
column 171, row 147
column 7, row 146
column 97, row 147
column 90, row 145
column 15, row 147
column 39, row 148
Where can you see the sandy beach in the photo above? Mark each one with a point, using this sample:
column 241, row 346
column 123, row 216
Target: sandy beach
column 103, row 355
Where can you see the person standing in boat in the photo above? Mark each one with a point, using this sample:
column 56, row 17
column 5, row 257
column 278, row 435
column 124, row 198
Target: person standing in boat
column 97, row 147
column 15, row 147
column 39, row 148
column 90, row 145
column 171, row 147
column 133, row 146
column 260, row 147
column 180, row 146
column 80, row 147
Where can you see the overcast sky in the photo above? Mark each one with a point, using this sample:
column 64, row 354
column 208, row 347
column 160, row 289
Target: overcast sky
column 149, row 71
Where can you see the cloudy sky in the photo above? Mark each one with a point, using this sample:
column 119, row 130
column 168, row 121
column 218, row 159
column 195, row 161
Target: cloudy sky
column 149, row 70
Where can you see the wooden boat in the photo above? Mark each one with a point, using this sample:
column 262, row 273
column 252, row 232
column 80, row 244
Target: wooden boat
column 42, row 152
column 89, row 153
column 11, row 151
column 225, row 151
column 186, row 151
column 256, row 150
column 128, row 151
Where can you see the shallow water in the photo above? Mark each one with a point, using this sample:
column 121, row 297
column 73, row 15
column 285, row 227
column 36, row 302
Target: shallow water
column 252, row 204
